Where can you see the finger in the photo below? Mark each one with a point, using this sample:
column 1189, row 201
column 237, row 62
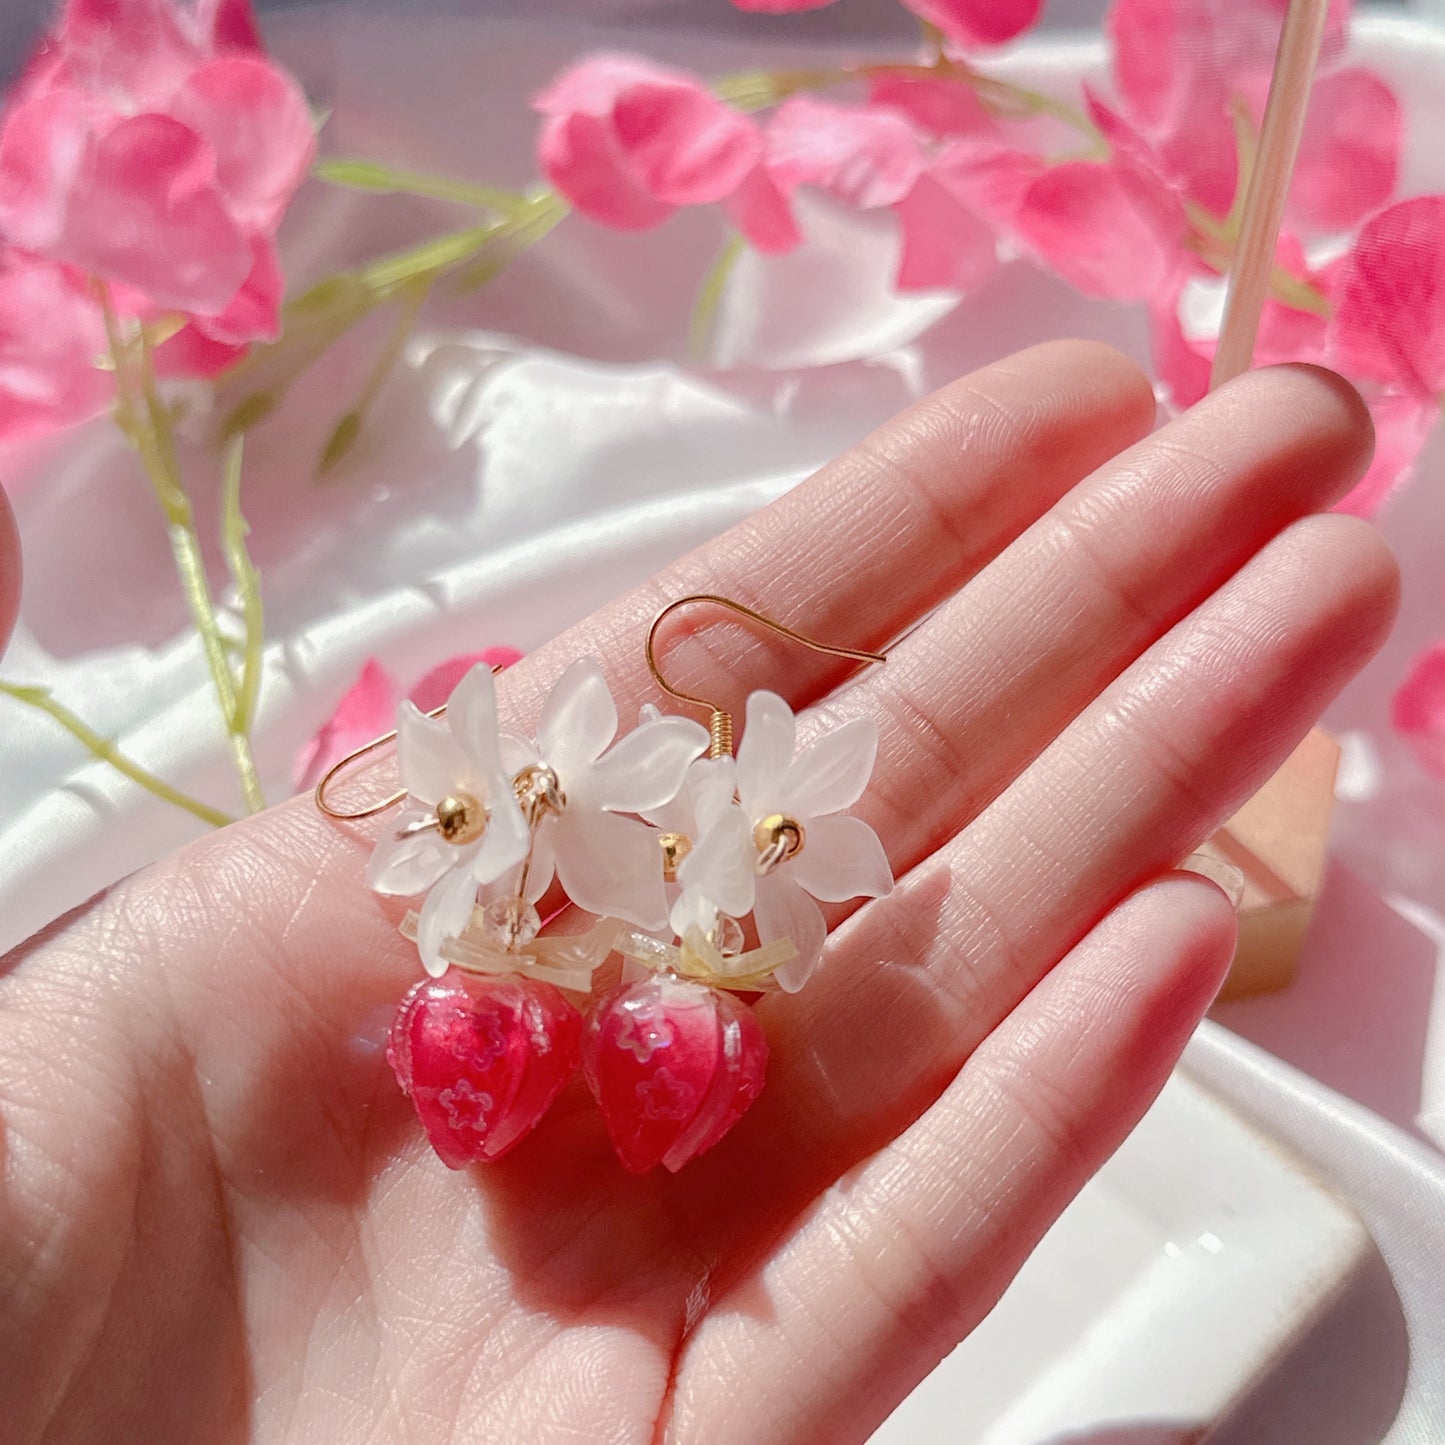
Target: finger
column 904, row 1256
column 1133, row 785
column 876, row 539
column 9, row 571
column 976, row 693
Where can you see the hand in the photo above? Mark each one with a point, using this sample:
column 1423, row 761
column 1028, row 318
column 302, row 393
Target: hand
column 220, row 1219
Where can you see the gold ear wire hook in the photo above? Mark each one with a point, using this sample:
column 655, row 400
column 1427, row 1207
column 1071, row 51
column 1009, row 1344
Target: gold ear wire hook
column 355, row 756
column 721, row 723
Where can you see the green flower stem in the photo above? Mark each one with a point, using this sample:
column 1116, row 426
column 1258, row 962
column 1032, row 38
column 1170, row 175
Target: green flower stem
column 146, row 422
column 357, row 174
column 234, row 531
column 106, row 750
column 710, row 295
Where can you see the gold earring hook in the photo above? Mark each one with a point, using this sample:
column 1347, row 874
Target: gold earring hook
column 721, row 722
column 355, row 756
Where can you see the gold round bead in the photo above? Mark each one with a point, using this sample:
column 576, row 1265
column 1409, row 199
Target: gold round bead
column 777, row 838
column 675, row 847
column 461, row 819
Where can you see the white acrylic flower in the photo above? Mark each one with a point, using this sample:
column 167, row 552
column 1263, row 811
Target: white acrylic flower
column 840, row 856
column 456, row 758
column 606, row 863
column 717, row 875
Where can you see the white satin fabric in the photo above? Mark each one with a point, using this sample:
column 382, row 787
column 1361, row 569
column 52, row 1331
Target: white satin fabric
column 514, row 477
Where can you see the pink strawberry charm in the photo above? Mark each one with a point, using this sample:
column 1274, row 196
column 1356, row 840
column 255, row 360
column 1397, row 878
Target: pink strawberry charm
column 482, row 1060
column 674, row 1066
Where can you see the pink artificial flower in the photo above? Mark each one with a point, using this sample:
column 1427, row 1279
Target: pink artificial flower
column 1402, row 424
column 628, row 142
column 368, row 709
column 1418, row 710
column 969, row 22
column 1116, row 228
column 51, row 335
column 1389, row 322
column 1181, row 64
column 871, row 157
column 156, row 148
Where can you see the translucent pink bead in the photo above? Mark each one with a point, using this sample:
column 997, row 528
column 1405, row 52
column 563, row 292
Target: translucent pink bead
column 674, row 1066
column 482, row 1060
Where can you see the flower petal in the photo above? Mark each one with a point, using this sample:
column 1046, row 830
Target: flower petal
column 783, row 910
column 720, row 865
column 505, row 842
column 646, row 768
column 1389, row 321
column 256, row 121
column 944, row 243
column 367, row 710
column 405, row 864
column 937, row 107
column 579, row 720
column 1402, row 424
column 1349, row 154
column 43, row 149
column 446, row 912
column 229, row 25
column 766, row 749
column 1418, row 710
column 152, row 218
column 472, row 718
column 611, row 866
column 831, row 773
column 866, row 158
column 437, row 685
column 841, row 859
column 1106, row 229
column 978, row 22
column 427, row 755
column 254, row 313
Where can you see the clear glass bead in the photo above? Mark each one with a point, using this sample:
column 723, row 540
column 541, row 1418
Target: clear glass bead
column 513, row 922
column 727, row 936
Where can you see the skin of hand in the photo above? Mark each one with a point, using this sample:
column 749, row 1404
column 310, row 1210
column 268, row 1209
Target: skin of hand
column 220, row 1221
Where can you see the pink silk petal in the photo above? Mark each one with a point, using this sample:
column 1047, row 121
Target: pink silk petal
column 865, row 158
column 1389, row 321
column 44, row 147
column 1350, row 154
column 580, row 156
column 978, row 22
column 761, row 212
column 152, row 218
column 780, row 7
column 437, row 685
column 51, row 334
column 1418, row 710
column 937, row 107
column 366, row 711
column 1105, row 230
column 191, row 353
column 259, row 128
column 140, row 50
column 1402, row 425
column 1182, row 365
column 255, row 311
column 229, row 26
column 686, row 147
column 944, row 243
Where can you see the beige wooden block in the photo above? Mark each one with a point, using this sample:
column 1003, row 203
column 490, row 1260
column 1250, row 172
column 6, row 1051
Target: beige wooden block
column 1279, row 840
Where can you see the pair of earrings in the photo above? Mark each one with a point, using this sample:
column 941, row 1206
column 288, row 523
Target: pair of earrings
column 702, row 869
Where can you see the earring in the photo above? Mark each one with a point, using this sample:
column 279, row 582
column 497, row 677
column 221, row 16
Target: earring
column 703, row 870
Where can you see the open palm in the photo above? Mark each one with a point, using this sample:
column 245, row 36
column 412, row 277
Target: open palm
column 219, row 1219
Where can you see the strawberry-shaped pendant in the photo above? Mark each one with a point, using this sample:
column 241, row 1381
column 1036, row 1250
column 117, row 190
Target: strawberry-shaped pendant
column 673, row 1065
column 482, row 1060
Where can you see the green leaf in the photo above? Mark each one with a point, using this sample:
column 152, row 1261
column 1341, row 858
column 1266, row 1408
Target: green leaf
column 343, row 437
